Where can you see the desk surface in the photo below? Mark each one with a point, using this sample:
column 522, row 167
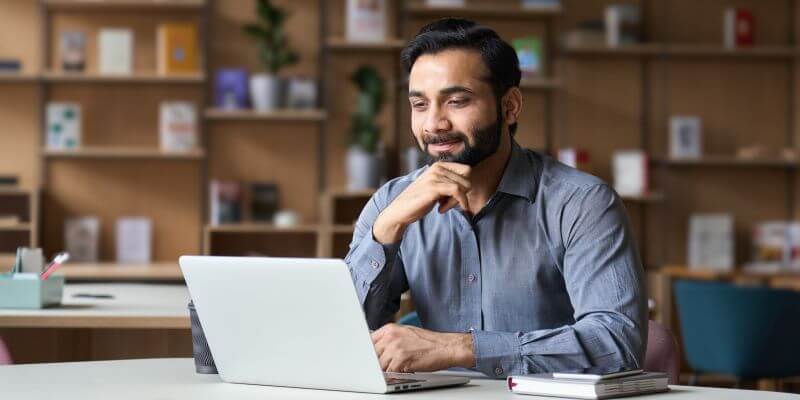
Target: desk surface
column 156, row 306
column 175, row 379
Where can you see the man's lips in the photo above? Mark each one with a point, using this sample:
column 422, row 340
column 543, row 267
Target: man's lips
column 444, row 146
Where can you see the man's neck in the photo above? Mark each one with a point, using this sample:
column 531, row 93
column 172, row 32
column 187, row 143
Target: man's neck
column 487, row 174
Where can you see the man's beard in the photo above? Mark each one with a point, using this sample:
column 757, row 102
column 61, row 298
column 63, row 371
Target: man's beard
column 487, row 140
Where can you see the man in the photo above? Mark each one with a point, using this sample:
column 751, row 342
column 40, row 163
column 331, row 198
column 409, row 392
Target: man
column 516, row 264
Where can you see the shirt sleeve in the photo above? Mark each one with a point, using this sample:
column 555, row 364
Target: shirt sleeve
column 376, row 269
column 604, row 279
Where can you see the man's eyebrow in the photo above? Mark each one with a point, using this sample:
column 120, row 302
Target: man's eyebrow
column 446, row 91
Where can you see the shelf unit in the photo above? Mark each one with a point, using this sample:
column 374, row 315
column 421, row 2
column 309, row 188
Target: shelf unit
column 23, row 205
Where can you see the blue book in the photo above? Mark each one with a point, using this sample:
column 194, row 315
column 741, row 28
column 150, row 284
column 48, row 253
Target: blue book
column 230, row 89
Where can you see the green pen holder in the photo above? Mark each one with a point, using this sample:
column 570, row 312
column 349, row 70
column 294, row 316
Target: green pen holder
column 27, row 291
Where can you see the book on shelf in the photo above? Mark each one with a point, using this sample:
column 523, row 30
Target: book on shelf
column 264, row 203
column 445, row 3
column 631, row 173
column 777, row 244
column 366, row 20
column 10, row 65
column 178, row 48
column 225, row 202
column 574, row 157
column 63, row 126
column 230, row 89
column 739, row 27
column 623, row 24
column 115, row 51
column 178, row 126
column 82, row 238
column 73, row 51
column 530, row 55
column 685, row 137
column 134, row 240
column 711, row 242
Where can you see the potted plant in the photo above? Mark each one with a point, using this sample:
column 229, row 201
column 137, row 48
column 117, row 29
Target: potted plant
column 273, row 50
column 364, row 166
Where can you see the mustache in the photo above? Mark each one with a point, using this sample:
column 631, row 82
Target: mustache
column 444, row 138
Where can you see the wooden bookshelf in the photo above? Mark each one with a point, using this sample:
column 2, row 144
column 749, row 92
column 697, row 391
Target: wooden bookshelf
column 342, row 44
column 15, row 227
column 158, row 271
column 685, row 51
column 314, row 115
column 631, row 50
column 728, row 161
column 504, row 11
column 262, row 228
column 124, row 153
column 22, row 77
column 653, row 197
column 123, row 4
column 137, row 78
column 540, row 84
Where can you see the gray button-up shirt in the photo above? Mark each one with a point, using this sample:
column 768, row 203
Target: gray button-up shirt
column 546, row 276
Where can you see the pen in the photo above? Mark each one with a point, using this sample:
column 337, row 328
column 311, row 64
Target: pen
column 59, row 259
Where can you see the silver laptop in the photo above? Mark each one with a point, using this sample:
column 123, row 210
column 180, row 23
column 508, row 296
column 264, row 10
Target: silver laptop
column 290, row 322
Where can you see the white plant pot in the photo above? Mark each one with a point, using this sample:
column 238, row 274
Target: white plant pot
column 363, row 169
column 265, row 92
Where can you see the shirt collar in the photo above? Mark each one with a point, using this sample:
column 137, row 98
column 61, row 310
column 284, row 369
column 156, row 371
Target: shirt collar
column 519, row 177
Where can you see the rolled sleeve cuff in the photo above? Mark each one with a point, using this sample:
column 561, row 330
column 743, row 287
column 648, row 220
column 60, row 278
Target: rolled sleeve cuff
column 497, row 354
column 371, row 257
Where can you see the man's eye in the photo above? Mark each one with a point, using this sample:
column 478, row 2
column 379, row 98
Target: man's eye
column 457, row 102
column 418, row 105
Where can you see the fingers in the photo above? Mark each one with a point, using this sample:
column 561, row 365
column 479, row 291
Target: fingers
column 460, row 169
column 455, row 192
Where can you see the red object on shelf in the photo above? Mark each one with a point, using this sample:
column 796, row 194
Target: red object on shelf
column 739, row 27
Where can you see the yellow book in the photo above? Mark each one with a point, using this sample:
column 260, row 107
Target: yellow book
column 177, row 48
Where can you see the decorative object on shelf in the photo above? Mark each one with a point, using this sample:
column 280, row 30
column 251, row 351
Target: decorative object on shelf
column 445, row 3
column 178, row 48
column 413, row 159
column 264, row 197
column 301, row 93
column 685, row 137
column 776, row 244
column 530, row 55
column 225, row 202
column 178, row 125
column 82, row 238
column 541, row 4
column 711, row 244
column 364, row 169
column 115, row 51
column 73, row 51
column 631, row 175
column 739, row 27
column 266, row 89
column 230, row 89
column 134, row 240
column 286, row 219
column 366, row 20
column 10, row 65
column 63, row 126
column 575, row 158
column 623, row 24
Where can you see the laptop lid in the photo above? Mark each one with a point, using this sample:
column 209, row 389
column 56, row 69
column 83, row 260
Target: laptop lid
column 284, row 322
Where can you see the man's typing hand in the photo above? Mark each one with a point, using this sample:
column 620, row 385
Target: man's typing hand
column 403, row 348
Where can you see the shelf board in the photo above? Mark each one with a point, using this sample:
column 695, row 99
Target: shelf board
column 727, row 161
column 123, row 4
column 249, row 227
column 540, row 84
column 18, row 77
column 312, row 115
column 487, row 11
column 343, row 228
column 138, row 77
column 124, row 153
column 684, row 51
column 653, row 197
column 342, row 44
column 156, row 271
column 344, row 193
column 22, row 227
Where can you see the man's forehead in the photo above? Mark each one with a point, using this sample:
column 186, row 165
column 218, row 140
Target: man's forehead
column 455, row 67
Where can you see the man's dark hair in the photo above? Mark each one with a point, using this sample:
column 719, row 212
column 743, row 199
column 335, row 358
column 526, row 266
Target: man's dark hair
column 452, row 33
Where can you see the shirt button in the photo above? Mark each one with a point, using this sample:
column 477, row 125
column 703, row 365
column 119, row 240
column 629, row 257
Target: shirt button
column 374, row 264
column 498, row 371
column 471, row 328
column 471, row 278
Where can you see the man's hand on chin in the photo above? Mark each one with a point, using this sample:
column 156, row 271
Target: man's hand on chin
column 403, row 348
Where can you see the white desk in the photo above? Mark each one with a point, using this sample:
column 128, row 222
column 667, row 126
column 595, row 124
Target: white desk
column 140, row 321
column 167, row 379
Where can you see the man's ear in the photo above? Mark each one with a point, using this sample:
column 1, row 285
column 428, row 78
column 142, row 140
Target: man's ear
column 512, row 105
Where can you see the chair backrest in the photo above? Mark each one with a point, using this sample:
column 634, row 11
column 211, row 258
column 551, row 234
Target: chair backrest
column 663, row 353
column 411, row 318
column 5, row 355
column 747, row 332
